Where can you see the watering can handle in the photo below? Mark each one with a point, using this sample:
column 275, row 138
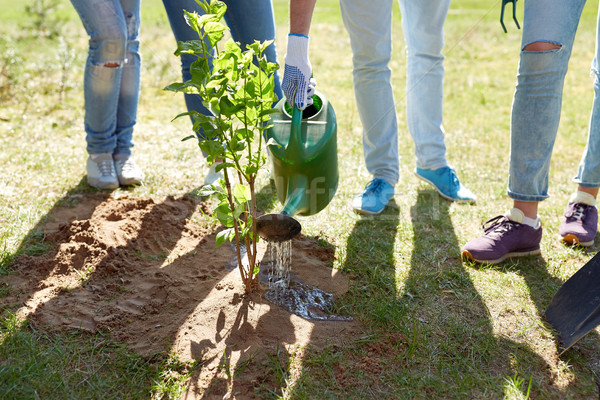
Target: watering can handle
column 294, row 147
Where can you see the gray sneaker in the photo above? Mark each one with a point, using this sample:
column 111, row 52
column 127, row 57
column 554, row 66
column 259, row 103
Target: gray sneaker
column 128, row 171
column 504, row 236
column 101, row 171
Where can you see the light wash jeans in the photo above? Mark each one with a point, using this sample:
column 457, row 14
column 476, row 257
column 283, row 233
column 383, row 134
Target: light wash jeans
column 111, row 82
column 369, row 24
column 538, row 97
column 248, row 20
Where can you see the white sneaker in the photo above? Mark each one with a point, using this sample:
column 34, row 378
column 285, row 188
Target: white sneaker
column 101, row 171
column 213, row 176
column 128, row 172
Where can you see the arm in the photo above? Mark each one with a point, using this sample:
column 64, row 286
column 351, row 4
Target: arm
column 301, row 15
column 298, row 84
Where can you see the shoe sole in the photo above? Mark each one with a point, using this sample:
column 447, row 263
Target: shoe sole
column 129, row 182
column 574, row 241
column 101, row 185
column 469, row 201
column 525, row 253
column 367, row 212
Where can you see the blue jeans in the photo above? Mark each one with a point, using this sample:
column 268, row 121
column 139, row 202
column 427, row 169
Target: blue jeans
column 538, row 97
column 369, row 24
column 111, row 82
column 248, row 20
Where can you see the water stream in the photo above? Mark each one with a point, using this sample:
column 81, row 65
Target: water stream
column 296, row 297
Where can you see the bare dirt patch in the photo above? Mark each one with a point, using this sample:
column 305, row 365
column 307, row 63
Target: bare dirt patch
column 149, row 274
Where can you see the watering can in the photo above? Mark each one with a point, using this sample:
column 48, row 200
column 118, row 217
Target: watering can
column 303, row 153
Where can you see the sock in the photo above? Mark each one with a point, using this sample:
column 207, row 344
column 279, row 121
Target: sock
column 583, row 197
column 533, row 222
column 516, row 215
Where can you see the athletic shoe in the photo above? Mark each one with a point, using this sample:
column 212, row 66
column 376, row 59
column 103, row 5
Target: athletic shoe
column 128, row 172
column 101, row 172
column 374, row 198
column 580, row 224
column 446, row 183
column 504, row 236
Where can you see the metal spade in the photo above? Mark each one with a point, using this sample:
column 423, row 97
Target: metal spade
column 575, row 308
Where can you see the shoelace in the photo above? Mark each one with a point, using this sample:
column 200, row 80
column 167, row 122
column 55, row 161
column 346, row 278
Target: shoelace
column 578, row 211
column 453, row 178
column 499, row 224
column 376, row 186
column 106, row 167
column 127, row 166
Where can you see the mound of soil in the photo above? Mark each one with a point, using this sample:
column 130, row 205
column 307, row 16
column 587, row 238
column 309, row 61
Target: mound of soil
column 149, row 274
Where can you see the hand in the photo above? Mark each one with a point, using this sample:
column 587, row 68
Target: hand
column 298, row 86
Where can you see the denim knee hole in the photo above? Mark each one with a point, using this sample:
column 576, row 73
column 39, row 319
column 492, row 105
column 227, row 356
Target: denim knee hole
column 539, row 46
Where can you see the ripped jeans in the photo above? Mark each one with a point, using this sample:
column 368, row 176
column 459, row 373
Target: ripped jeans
column 111, row 82
column 538, row 98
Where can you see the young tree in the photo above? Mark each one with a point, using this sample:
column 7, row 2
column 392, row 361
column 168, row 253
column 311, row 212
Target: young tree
column 238, row 88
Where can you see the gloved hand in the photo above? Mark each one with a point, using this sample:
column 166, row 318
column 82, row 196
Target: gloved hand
column 298, row 86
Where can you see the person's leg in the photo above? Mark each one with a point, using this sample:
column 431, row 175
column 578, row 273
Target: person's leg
column 105, row 24
column 251, row 20
column 369, row 27
column 423, row 28
column 588, row 175
column 130, row 79
column 183, row 32
column 548, row 32
column 580, row 223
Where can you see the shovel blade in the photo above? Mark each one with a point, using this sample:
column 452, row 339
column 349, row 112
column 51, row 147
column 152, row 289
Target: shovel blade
column 575, row 309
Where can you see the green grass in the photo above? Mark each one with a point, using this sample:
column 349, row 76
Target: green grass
column 434, row 327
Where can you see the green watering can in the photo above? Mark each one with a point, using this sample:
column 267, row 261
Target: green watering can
column 303, row 149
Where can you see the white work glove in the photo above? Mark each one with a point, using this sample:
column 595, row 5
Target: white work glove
column 298, row 86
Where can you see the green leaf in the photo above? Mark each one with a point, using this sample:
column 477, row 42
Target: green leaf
column 229, row 108
column 242, row 193
column 225, row 235
column 224, row 215
column 200, row 71
column 268, row 111
column 185, row 87
column 215, row 31
column 188, row 138
column 190, row 47
column 211, row 147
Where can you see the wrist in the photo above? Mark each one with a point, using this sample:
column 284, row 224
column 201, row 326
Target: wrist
column 298, row 34
column 297, row 45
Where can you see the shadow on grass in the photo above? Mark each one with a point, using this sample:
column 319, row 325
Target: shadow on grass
column 428, row 331
column 90, row 361
column 41, row 364
column 39, row 360
column 583, row 359
column 449, row 319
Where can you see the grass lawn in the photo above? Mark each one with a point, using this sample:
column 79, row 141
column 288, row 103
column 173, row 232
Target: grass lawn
column 439, row 328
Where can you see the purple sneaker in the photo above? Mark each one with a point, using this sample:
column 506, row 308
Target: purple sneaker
column 503, row 238
column 580, row 224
